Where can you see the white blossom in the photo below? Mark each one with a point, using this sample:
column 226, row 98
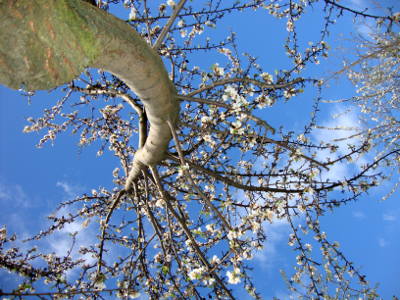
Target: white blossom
column 219, row 71
column 132, row 14
column 267, row 77
column 308, row 246
column 215, row 260
column 197, row 273
column 289, row 25
column 183, row 33
column 234, row 276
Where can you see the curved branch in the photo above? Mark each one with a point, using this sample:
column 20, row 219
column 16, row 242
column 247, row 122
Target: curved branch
column 46, row 43
column 357, row 12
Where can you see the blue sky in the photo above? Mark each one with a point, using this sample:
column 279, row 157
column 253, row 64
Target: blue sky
column 33, row 181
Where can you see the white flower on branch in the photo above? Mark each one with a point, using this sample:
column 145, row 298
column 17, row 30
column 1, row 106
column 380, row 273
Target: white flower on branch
column 133, row 13
column 197, row 273
column 218, row 71
column 171, row 3
column 234, row 276
column 289, row 25
column 267, row 77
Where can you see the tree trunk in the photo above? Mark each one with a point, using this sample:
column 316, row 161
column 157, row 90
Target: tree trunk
column 47, row 43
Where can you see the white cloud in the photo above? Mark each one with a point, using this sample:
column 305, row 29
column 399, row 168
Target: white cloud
column 359, row 215
column 389, row 217
column 71, row 190
column 366, row 27
column 61, row 241
column 16, row 206
column 339, row 131
column 277, row 233
column 359, row 3
column 382, row 242
column 13, row 194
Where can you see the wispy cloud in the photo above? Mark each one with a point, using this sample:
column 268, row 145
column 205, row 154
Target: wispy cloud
column 367, row 26
column 277, row 233
column 340, row 131
column 359, row 215
column 389, row 217
column 13, row 194
column 382, row 242
column 359, row 3
column 71, row 190
column 60, row 242
column 16, row 205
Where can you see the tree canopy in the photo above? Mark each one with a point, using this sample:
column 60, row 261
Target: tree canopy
column 201, row 169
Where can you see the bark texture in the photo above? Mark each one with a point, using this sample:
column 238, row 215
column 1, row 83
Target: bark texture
column 46, row 43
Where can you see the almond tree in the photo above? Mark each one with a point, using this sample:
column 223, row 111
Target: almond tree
column 193, row 211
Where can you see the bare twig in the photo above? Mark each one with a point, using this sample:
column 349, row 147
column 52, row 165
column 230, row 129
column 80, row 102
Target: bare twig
column 357, row 12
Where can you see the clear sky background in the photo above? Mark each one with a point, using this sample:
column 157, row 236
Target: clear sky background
column 33, row 181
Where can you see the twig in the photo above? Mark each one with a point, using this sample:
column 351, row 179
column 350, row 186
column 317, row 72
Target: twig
column 131, row 101
column 362, row 58
column 356, row 12
column 239, row 185
column 167, row 27
column 227, row 106
column 187, row 232
column 246, row 80
column 192, row 183
column 104, row 227
column 69, row 293
column 263, row 140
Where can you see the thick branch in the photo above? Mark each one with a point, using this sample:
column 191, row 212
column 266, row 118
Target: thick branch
column 46, row 43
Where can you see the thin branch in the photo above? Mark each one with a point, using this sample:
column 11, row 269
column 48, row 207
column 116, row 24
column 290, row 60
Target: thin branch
column 239, row 185
column 359, row 13
column 263, row 140
column 246, row 80
column 69, row 293
column 105, row 225
column 103, row 91
column 131, row 101
column 182, row 222
column 363, row 58
column 192, row 183
column 167, row 27
column 147, row 22
column 199, row 13
column 227, row 106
